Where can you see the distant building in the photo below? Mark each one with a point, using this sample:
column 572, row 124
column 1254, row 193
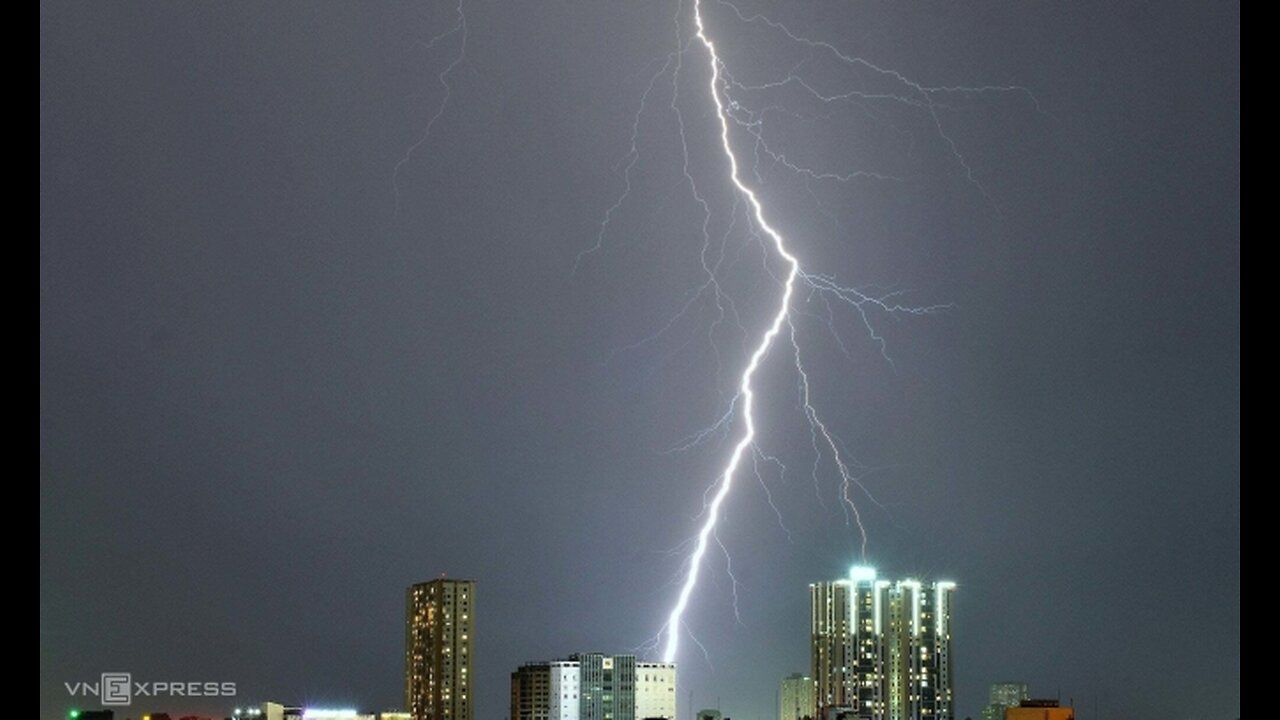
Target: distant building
column 709, row 715
column 279, row 711
column 439, row 622
column 1002, row 697
column 266, row 711
column 1040, row 710
column 882, row 649
column 795, row 698
column 593, row 686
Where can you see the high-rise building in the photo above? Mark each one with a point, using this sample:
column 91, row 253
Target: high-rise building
column 593, row 686
column 439, row 624
column 1004, row 696
column 882, row 649
column 795, row 698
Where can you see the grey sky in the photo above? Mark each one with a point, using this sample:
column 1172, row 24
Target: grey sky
column 269, row 402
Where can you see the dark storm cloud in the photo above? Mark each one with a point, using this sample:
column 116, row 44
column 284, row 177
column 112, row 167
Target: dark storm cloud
column 268, row 402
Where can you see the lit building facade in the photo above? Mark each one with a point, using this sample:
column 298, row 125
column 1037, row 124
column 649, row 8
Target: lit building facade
column 592, row 686
column 1004, row 696
column 795, row 698
column 439, row 626
column 882, row 649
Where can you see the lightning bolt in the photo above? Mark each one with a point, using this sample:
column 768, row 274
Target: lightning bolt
column 745, row 389
column 797, row 286
column 458, row 28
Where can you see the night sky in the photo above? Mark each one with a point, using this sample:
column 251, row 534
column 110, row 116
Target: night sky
column 270, row 399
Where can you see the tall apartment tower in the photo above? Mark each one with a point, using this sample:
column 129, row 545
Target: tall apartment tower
column 438, row 638
column 881, row 650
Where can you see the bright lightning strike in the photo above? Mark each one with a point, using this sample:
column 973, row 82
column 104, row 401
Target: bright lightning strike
column 727, row 95
column 745, row 387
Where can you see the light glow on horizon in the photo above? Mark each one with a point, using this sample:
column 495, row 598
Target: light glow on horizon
column 862, row 573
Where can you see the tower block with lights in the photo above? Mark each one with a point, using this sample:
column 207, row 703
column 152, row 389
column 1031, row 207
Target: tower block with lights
column 881, row 649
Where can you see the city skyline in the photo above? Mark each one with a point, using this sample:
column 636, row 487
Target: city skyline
column 338, row 297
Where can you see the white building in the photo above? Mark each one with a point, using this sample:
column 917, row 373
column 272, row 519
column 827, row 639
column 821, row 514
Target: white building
column 565, row 683
column 655, row 690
